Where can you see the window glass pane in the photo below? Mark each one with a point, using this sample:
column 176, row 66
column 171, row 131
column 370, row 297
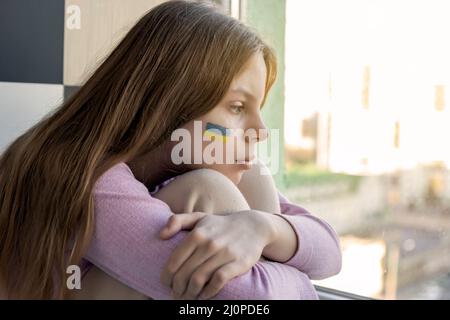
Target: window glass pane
column 367, row 121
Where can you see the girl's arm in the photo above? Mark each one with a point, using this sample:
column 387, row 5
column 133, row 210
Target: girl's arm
column 126, row 245
column 311, row 243
column 318, row 251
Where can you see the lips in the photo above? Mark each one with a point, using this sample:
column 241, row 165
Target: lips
column 247, row 161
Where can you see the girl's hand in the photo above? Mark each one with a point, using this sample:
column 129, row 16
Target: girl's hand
column 219, row 248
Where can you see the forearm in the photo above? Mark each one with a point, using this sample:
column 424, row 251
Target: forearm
column 318, row 254
column 284, row 243
column 269, row 280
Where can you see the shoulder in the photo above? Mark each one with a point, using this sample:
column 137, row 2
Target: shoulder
column 119, row 179
column 118, row 188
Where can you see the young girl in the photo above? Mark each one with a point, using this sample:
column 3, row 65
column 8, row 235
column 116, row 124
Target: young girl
column 75, row 188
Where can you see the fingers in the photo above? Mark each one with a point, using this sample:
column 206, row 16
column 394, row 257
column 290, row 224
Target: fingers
column 181, row 221
column 203, row 274
column 184, row 273
column 220, row 278
column 179, row 255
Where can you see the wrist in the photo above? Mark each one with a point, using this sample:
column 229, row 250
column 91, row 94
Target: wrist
column 270, row 231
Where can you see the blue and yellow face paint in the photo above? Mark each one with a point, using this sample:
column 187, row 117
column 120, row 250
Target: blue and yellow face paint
column 217, row 132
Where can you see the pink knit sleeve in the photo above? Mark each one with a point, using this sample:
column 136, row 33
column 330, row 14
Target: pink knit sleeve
column 318, row 250
column 126, row 245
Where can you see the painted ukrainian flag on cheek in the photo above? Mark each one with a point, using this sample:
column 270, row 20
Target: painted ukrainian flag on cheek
column 217, row 132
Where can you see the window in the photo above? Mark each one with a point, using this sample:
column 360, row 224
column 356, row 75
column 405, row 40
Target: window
column 439, row 103
column 232, row 7
column 366, row 139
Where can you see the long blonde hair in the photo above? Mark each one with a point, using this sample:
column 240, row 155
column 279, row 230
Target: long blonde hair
column 174, row 65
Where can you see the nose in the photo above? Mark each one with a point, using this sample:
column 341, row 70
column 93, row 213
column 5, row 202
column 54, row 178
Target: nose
column 258, row 131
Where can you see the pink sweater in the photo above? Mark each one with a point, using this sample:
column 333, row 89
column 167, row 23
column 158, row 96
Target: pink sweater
column 126, row 245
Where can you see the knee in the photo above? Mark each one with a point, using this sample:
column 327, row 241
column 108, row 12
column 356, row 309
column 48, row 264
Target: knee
column 258, row 187
column 212, row 192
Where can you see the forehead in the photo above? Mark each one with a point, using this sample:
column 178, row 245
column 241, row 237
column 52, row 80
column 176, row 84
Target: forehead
column 252, row 78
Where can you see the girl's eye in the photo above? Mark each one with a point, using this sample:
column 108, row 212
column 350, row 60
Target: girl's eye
column 237, row 109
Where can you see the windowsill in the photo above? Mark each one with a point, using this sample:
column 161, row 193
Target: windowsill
column 332, row 294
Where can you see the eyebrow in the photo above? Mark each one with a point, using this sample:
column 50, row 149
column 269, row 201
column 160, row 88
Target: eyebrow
column 244, row 91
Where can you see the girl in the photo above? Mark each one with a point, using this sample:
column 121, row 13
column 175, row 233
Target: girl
column 74, row 189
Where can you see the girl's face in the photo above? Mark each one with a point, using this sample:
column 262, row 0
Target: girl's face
column 239, row 109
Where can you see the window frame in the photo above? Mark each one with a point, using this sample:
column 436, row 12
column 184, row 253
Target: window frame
column 325, row 293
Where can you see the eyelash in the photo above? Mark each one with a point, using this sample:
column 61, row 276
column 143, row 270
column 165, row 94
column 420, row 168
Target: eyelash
column 240, row 107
